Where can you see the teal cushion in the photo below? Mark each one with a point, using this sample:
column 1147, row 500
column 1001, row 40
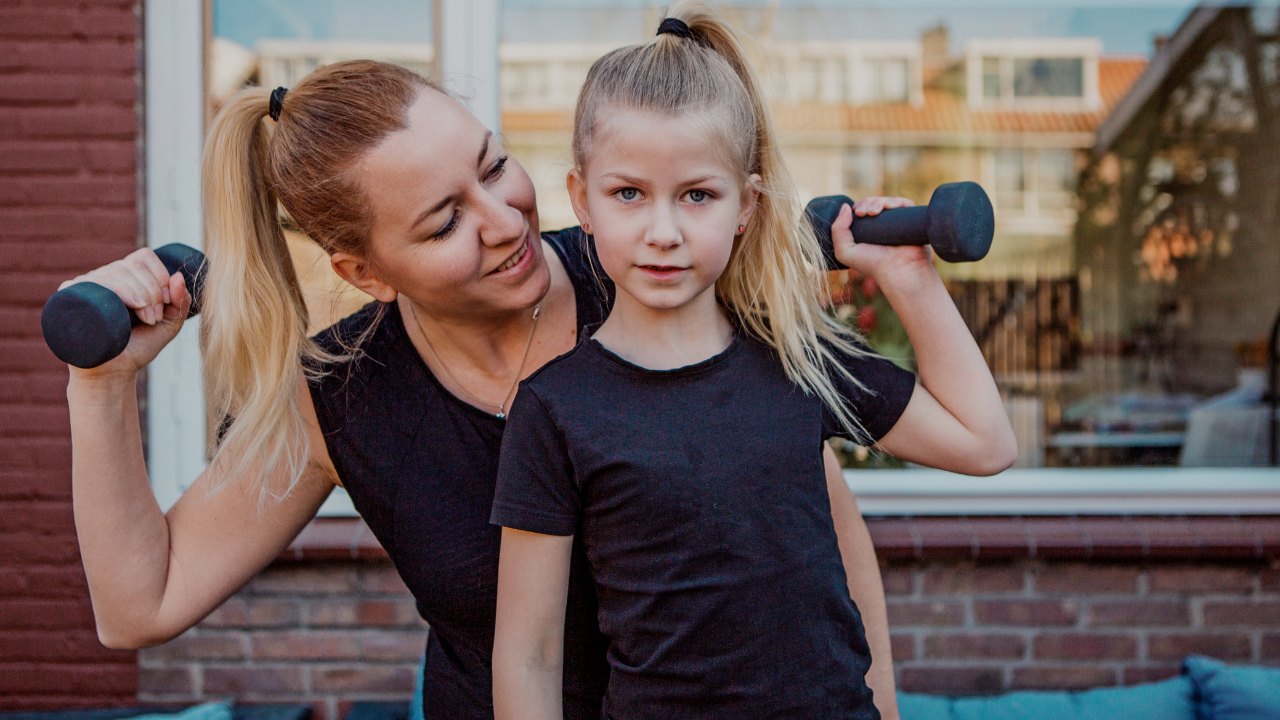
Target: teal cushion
column 1234, row 692
column 207, row 711
column 1172, row 699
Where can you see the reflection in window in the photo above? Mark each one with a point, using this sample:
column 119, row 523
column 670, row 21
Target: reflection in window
column 1048, row 77
column 1011, row 179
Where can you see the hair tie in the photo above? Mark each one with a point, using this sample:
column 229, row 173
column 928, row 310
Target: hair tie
column 277, row 103
column 677, row 27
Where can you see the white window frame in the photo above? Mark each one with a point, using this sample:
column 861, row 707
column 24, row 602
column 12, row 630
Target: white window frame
column 174, row 129
column 1088, row 49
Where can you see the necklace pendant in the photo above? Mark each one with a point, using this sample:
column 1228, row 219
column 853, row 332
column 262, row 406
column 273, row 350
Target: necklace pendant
column 501, row 416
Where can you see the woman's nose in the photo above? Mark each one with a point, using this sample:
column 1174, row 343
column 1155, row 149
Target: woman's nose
column 500, row 222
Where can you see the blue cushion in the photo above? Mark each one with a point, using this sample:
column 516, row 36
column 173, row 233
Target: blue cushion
column 207, row 711
column 1234, row 692
column 1172, row 699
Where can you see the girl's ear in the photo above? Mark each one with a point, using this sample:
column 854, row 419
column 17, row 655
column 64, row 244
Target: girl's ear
column 578, row 197
column 356, row 271
column 750, row 196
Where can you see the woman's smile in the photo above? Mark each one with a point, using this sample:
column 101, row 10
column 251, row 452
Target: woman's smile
column 519, row 262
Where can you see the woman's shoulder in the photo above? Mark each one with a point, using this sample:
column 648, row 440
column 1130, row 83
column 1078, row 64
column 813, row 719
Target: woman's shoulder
column 592, row 287
column 361, row 327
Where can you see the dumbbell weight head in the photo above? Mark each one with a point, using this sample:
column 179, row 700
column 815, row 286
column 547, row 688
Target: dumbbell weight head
column 86, row 324
column 961, row 222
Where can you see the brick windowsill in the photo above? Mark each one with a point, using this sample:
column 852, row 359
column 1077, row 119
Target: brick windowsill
column 955, row 538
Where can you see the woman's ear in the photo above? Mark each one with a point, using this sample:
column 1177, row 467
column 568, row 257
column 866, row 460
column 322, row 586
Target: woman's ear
column 578, row 197
column 750, row 196
column 356, row 271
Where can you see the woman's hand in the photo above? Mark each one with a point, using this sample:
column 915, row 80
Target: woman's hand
column 881, row 262
column 161, row 301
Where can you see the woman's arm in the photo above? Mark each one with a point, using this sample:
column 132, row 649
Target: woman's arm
column 865, row 587
column 955, row 420
column 151, row 575
column 528, row 638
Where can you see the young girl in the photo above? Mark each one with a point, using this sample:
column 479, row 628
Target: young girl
column 681, row 443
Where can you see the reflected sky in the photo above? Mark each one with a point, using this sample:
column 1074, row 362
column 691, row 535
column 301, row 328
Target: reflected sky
column 1126, row 28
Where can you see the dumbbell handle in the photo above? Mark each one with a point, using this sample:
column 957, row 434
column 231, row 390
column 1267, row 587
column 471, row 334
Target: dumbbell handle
column 86, row 324
column 958, row 222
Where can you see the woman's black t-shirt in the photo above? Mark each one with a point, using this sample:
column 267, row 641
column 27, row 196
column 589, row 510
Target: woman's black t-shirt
column 420, row 466
column 701, row 498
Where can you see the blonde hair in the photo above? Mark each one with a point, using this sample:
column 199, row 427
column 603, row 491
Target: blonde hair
column 253, row 330
column 771, row 286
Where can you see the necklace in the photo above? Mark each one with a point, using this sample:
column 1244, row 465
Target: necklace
column 516, row 381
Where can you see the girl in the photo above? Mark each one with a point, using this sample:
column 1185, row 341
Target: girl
column 680, row 444
column 418, row 205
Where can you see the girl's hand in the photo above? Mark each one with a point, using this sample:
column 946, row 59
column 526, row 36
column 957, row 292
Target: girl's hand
column 878, row 261
column 161, row 301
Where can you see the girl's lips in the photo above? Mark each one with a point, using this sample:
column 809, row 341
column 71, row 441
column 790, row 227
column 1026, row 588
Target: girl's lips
column 526, row 255
column 663, row 273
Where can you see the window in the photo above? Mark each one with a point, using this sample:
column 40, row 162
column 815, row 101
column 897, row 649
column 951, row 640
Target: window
column 992, row 83
column 892, row 83
column 1048, row 77
column 1011, row 179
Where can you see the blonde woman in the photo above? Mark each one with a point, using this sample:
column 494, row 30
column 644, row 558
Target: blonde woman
column 402, row 403
column 680, row 442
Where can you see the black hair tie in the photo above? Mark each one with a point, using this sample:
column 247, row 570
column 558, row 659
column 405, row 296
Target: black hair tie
column 277, row 103
column 677, row 27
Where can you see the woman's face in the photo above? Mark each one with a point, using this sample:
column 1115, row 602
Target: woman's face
column 455, row 225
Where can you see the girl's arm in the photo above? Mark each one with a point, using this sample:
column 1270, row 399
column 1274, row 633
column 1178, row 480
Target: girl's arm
column 865, row 587
column 528, row 638
column 955, row 419
column 151, row 575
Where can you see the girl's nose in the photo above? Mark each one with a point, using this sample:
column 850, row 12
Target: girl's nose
column 664, row 231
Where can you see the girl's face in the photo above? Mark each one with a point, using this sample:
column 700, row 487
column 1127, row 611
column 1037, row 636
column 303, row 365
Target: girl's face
column 455, row 224
column 663, row 205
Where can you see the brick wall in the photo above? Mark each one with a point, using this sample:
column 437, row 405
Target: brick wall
column 982, row 628
column 325, row 633
column 976, row 606
column 68, row 202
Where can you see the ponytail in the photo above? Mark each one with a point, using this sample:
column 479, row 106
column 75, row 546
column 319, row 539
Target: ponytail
column 771, row 285
column 254, row 320
column 253, row 331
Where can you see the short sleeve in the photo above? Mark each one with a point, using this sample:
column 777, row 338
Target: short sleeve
column 878, row 410
column 536, row 490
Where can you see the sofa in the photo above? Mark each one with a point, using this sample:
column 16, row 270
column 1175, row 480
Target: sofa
column 1207, row 689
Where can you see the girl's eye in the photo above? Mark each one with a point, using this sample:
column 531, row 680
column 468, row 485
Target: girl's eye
column 496, row 171
column 699, row 196
column 628, row 194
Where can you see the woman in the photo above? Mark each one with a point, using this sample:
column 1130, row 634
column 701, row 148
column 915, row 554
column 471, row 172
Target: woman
column 403, row 403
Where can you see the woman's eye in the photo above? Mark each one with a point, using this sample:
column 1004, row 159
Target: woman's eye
column 497, row 168
column 448, row 228
column 628, row 194
column 699, row 196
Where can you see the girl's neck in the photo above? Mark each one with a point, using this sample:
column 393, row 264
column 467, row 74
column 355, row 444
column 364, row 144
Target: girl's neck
column 666, row 339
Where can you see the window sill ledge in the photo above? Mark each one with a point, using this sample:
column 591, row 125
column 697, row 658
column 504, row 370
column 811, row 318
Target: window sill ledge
column 1125, row 539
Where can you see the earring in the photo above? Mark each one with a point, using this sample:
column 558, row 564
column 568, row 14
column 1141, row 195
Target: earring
column 742, row 229
column 586, row 228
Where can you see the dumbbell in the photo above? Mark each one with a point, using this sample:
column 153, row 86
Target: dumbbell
column 86, row 324
column 958, row 223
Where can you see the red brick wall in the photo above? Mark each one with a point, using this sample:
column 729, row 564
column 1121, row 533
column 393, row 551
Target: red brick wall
column 966, row 628
column 321, row 633
column 69, row 79
column 335, row 632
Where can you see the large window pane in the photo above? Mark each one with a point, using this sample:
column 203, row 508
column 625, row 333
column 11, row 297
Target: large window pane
column 1048, row 77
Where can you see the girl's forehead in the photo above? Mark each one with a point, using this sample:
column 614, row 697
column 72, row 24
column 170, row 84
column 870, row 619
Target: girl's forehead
column 659, row 141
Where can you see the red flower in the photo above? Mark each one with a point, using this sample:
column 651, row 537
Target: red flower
column 867, row 319
column 870, row 288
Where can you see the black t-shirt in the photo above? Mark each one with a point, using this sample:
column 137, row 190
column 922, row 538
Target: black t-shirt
column 420, row 466
column 701, row 498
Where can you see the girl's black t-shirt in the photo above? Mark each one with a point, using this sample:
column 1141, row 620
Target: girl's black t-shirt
column 420, row 466
column 701, row 499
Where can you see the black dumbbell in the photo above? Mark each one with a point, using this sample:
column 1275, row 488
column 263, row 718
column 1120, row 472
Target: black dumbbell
column 86, row 324
column 958, row 222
